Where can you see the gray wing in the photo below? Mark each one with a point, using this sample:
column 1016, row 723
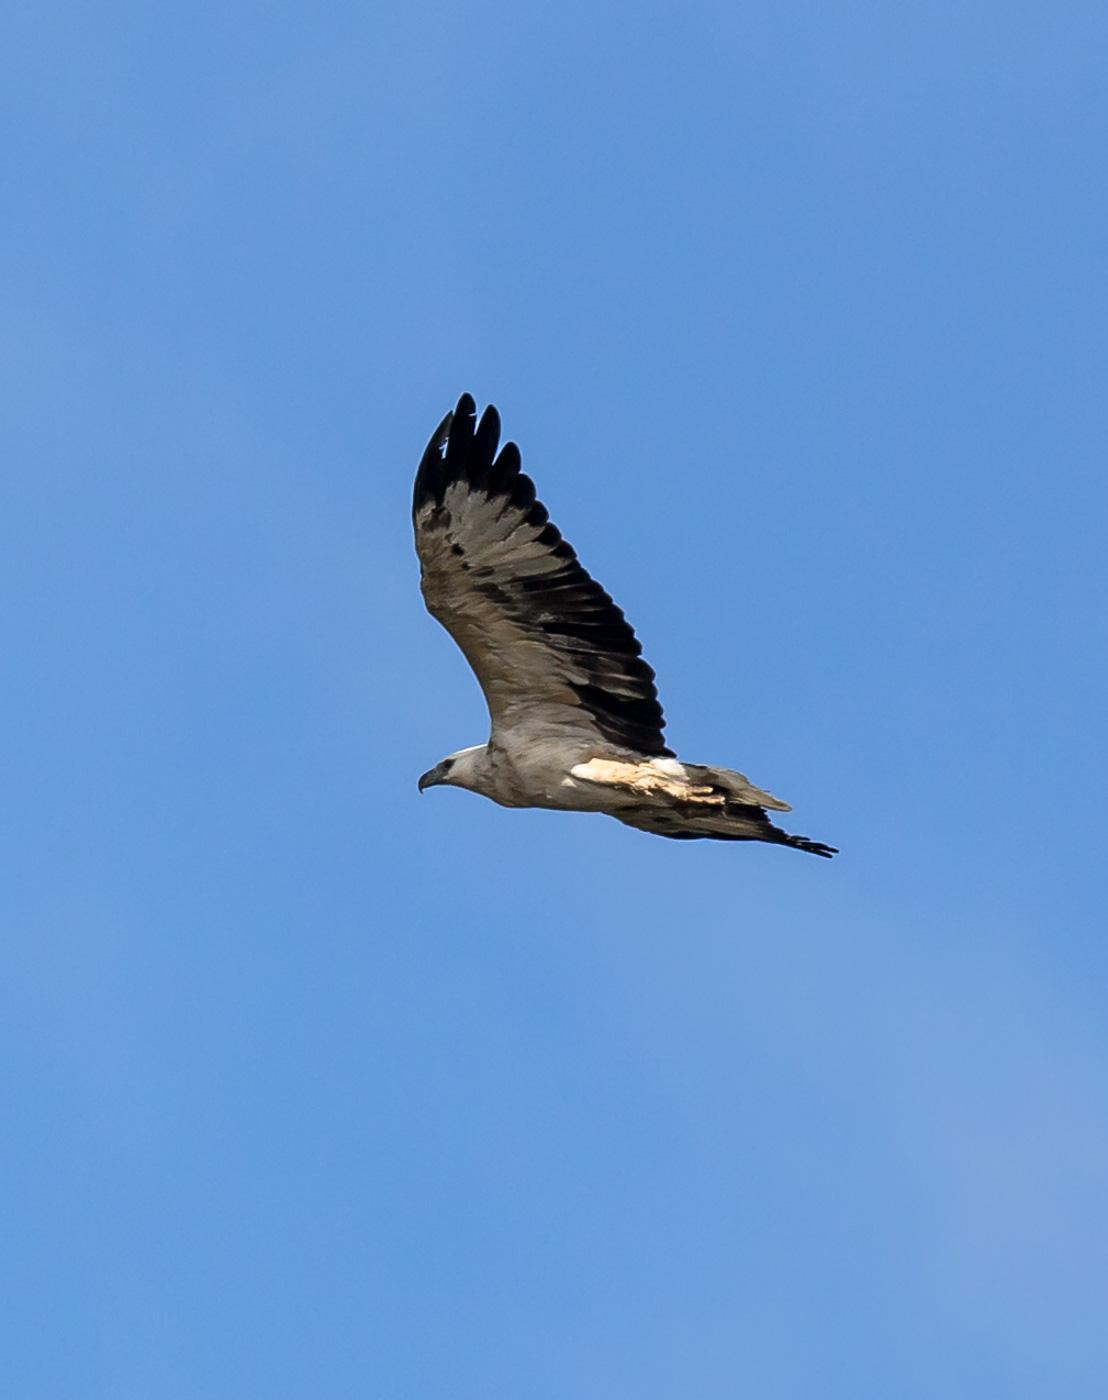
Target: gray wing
column 553, row 653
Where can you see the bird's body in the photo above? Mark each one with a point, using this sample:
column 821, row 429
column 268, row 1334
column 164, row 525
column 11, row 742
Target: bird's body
column 576, row 723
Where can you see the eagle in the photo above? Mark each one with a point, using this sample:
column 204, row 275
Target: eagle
column 575, row 719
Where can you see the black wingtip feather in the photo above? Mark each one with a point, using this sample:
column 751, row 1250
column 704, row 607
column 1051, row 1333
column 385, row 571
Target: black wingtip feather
column 460, row 448
column 460, row 439
column 815, row 848
column 431, row 477
column 463, row 449
column 485, row 442
column 504, row 470
column 523, row 492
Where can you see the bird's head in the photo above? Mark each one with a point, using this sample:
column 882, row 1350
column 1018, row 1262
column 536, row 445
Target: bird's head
column 456, row 770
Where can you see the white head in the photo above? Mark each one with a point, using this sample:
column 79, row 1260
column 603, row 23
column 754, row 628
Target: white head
column 456, row 769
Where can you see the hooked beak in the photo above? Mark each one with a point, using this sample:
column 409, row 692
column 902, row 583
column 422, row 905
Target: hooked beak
column 428, row 779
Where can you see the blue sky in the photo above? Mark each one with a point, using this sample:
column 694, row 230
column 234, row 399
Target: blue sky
column 316, row 1087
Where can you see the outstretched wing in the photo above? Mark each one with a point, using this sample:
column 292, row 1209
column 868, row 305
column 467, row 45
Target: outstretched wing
column 553, row 653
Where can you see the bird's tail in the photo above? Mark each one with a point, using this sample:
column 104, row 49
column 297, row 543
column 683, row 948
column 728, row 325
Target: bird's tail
column 734, row 785
column 718, row 804
column 743, row 815
column 729, row 822
column 690, row 801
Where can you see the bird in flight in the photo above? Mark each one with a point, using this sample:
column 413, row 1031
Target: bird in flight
column 575, row 719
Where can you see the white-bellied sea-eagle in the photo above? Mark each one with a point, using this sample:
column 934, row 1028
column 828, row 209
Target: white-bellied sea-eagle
column 576, row 722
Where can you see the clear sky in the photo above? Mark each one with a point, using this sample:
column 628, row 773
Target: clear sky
column 314, row 1087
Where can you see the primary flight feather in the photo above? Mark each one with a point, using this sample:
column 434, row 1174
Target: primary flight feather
column 576, row 722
